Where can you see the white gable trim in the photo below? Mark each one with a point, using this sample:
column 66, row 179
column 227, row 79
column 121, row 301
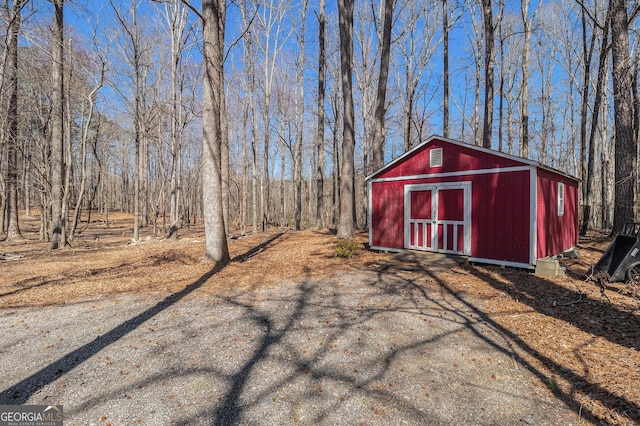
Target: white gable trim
column 430, row 139
column 455, row 174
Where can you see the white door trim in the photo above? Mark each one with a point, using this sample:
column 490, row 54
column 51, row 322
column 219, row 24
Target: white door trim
column 430, row 242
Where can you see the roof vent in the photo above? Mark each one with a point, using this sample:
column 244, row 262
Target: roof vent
column 435, row 157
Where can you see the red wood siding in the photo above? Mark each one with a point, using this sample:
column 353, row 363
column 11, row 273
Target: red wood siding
column 501, row 203
column 387, row 214
column 556, row 234
column 501, row 217
column 455, row 158
column 499, row 214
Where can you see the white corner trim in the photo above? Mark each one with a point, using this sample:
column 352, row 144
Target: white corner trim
column 370, row 213
column 533, row 213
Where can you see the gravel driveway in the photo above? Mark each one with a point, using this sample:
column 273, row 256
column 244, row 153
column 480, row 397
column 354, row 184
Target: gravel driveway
column 377, row 348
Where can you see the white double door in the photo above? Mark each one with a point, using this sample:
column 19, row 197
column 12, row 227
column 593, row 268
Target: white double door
column 437, row 217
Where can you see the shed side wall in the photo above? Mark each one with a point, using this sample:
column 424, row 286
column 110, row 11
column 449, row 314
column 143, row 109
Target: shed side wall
column 556, row 233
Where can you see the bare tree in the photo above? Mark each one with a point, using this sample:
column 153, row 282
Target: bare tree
column 489, row 61
column 89, row 104
column 175, row 15
column 381, row 98
column 13, row 228
column 416, row 48
column 319, row 220
column 297, row 166
column 347, row 185
column 625, row 145
column 587, row 147
column 135, row 61
column 524, row 112
column 445, row 69
column 212, row 56
column 57, row 127
column 276, row 34
column 249, row 54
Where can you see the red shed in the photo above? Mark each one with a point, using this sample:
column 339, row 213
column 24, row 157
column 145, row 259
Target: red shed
column 451, row 197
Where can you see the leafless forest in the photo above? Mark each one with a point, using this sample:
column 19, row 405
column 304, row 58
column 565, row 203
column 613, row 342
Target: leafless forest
column 272, row 112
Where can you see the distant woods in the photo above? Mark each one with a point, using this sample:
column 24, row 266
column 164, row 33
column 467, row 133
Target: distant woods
column 117, row 109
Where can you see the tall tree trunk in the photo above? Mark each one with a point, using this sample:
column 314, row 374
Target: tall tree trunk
column 212, row 55
column 335, row 198
column 381, row 98
column 587, row 54
column 320, row 135
column 68, row 147
column 347, row 176
column 501, row 93
column 13, row 227
column 283, row 208
column 245, row 172
column 224, row 125
column 251, row 78
column 489, row 60
column 297, row 167
column 589, row 174
column 176, row 17
column 625, row 145
column 524, row 110
column 445, row 69
column 57, row 126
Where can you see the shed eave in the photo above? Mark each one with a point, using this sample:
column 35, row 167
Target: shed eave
column 431, row 138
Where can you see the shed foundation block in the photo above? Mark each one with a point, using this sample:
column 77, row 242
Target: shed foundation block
column 548, row 267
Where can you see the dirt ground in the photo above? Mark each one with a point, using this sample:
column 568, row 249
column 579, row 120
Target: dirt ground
column 581, row 340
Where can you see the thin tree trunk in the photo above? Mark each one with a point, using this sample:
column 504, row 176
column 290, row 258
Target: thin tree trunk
column 501, row 38
column 524, row 112
column 245, row 172
column 381, row 98
column 587, row 54
column 320, row 135
column 176, row 16
column 489, row 60
column 224, row 125
column 57, row 127
column 297, row 167
column 445, row 70
column 336, row 168
column 10, row 202
column 283, row 211
column 68, row 154
column 587, row 194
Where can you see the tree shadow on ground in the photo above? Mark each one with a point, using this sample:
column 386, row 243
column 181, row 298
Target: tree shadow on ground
column 393, row 292
column 338, row 322
column 22, row 391
column 592, row 316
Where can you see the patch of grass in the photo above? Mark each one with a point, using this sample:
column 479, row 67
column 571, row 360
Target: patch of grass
column 347, row 248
